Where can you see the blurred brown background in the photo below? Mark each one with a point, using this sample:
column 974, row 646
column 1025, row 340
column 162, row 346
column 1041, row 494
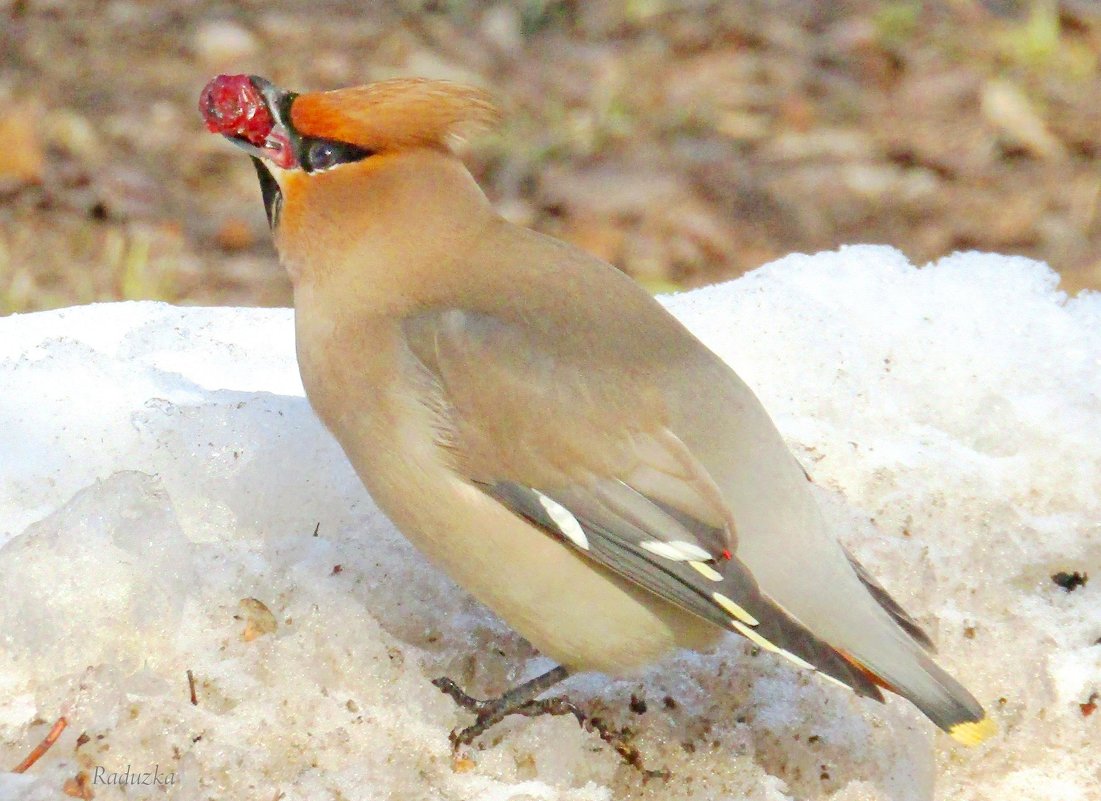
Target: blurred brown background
column 685, row 142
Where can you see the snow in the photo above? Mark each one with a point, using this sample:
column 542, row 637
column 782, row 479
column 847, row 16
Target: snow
column 168, row 503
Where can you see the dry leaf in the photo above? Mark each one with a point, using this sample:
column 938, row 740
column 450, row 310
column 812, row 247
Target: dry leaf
column 258, row 619
column 21, row 158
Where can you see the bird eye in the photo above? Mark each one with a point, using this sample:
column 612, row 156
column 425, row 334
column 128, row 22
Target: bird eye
column 322, row 155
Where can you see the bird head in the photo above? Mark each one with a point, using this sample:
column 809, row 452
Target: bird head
column 328, row 161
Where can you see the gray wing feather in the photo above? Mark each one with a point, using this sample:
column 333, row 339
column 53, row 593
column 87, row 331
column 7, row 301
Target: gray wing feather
column 616, row 542
column 894, row 609
column 633, row 498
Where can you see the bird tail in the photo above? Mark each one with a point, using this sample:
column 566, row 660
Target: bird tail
column 912, row 673
column 931, row 689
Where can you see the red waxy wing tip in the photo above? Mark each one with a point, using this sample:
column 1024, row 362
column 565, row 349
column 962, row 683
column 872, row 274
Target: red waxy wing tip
column 232, row 105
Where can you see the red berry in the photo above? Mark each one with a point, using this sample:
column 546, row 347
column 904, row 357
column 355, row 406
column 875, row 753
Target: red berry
column 231, row 105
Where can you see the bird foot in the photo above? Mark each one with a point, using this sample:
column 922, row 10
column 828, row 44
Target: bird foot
column 492, row 711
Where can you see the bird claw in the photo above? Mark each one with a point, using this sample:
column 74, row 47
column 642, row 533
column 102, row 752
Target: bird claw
column 492, row 711
column 468, row 702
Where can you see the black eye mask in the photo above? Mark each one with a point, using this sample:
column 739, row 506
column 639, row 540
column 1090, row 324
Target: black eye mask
column 315, row 155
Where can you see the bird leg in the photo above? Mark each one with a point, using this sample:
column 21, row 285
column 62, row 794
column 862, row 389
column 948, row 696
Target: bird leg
column 522, row 700
column 491, row 711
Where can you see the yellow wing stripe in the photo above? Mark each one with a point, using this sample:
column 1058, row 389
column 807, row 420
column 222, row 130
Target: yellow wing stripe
column 737, row 611
column 706, row 571
column 798, row 661
column 754, row 637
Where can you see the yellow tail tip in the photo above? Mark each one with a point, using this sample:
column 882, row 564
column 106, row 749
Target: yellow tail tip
column 973, row 732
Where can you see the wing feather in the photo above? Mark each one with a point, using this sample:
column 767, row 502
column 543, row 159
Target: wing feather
column 894, row 609
column 721, row 591
column 549, row 443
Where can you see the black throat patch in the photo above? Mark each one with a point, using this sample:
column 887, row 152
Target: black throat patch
column 269, row 188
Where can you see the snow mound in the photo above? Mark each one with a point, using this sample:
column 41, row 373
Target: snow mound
column 169, row 503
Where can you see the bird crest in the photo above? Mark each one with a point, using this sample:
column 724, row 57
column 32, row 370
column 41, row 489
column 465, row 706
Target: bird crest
column 395, row 114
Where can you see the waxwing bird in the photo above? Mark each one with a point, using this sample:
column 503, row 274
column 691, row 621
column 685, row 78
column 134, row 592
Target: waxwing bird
column 538, row 425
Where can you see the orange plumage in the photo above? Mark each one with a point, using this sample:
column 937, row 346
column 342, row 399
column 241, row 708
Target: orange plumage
column 396, row 114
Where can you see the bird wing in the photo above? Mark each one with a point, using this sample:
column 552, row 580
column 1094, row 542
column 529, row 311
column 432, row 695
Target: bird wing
column 578, row 447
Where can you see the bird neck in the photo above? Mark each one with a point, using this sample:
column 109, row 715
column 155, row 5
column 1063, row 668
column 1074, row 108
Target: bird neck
column 384, row 234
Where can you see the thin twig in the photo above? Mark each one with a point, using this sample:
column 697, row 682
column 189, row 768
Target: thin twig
column 42, row 747
column 191, row 687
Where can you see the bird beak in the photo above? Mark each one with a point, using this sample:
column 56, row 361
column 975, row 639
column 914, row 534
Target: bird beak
column 251, row 113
